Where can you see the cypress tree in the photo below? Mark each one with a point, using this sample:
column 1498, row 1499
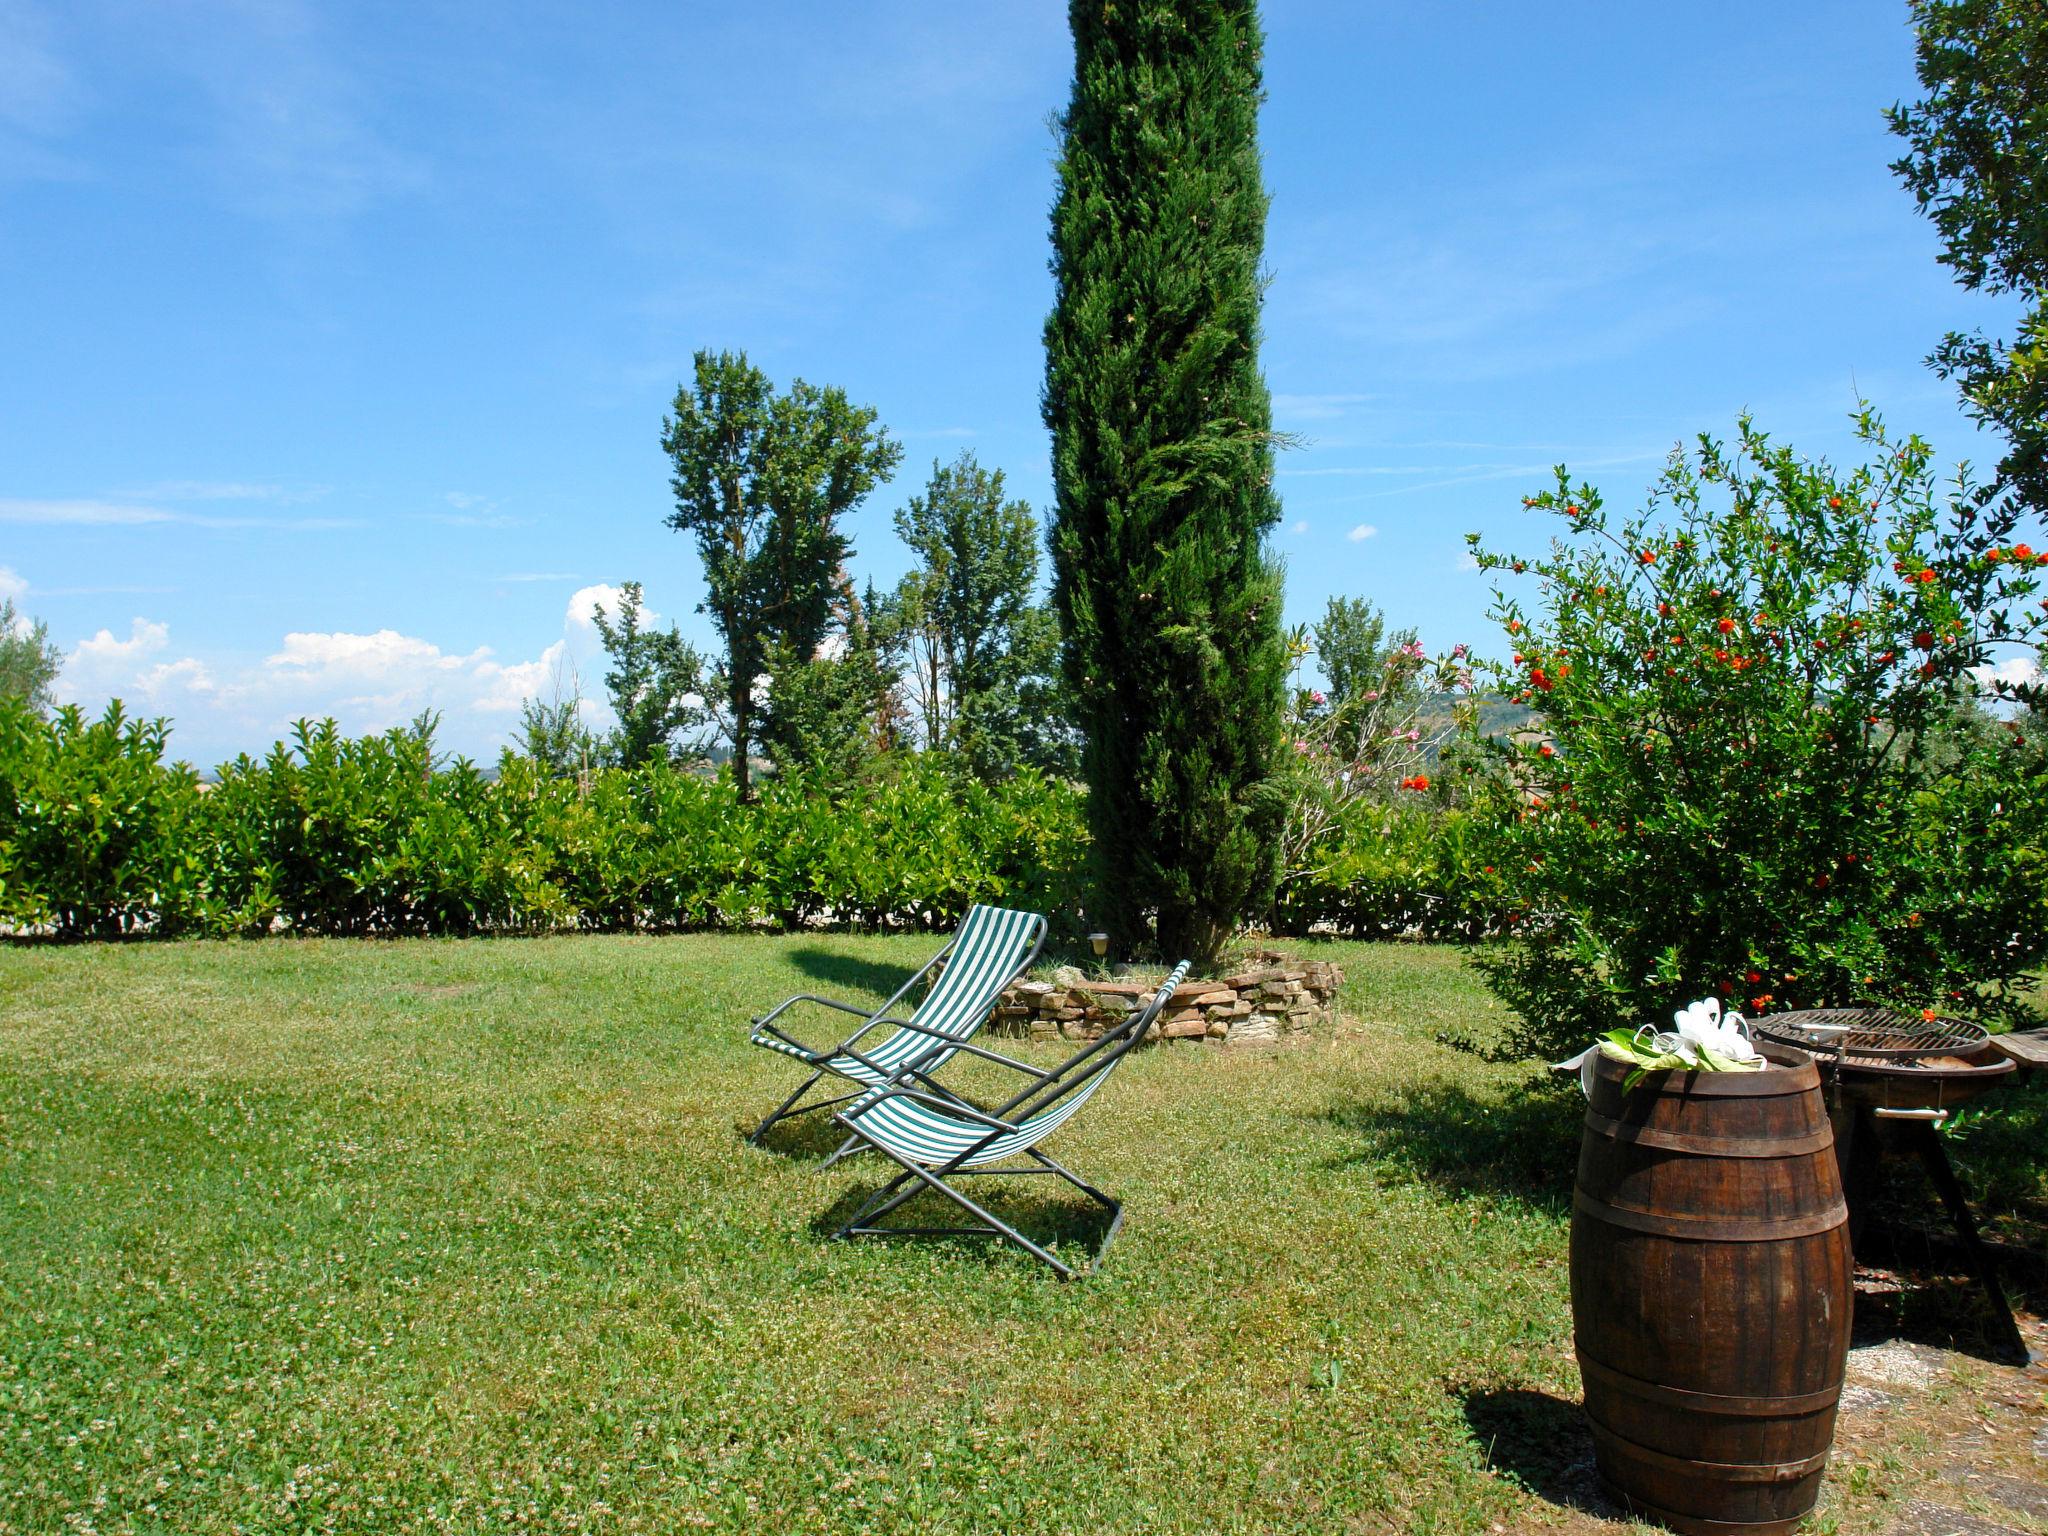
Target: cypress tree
column 1163, row 466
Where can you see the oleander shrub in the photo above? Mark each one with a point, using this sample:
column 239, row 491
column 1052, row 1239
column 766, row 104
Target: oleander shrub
column 1752, row 777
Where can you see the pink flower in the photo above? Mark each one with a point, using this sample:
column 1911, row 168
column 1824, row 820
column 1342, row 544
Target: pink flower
column 1301, row 746
column 1375, row 693
column 1414, row 652
column 1413, row 735
column 1460, row 651
column 1315, row 696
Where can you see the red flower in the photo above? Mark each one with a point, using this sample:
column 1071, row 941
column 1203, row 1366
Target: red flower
column 1753, row 977
column 1924, row 639
column 1663, row 610
column 1541, row 679
column 2022, row 552
column 1929, row 1015
column 1726, row 626
column 1835, row 502
column 1648, row 557
column 1545, row 750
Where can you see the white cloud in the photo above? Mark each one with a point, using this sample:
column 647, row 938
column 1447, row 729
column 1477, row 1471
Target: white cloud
column 368, row 681
column 12, row 585
column 107, row 665
column 145, row 638
column 228, row 490
column 601, row 595
column 1301, row 525
column 2016, row 669
column 1362, row 532
column 1317, row 407
column 1468, row 561
column 79, row 512
column 96, row 513
column 366, row 658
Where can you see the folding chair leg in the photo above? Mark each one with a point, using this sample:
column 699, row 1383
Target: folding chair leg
column 783, row 1111
column 879, row 1204
column 1115, row 1208
column 862, row 1224
column 846, row 1149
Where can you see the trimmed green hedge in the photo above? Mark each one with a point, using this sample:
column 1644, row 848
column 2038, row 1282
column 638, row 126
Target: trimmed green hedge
column 100, row 836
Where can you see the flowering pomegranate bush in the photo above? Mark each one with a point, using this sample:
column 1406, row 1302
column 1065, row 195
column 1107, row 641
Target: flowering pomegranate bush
column 1752, row 775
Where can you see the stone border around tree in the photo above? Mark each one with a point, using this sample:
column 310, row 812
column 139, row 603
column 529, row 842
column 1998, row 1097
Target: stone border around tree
column 1271, row 998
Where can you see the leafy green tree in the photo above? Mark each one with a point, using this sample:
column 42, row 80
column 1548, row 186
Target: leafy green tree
column 29, row 660
column 655, row 682
column 763, row 480
column 1978, row 167
column 1163, row 466
column 979, row 645
column 821, row 717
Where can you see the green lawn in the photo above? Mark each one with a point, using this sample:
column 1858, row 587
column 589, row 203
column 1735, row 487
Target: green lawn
column 441, row 1236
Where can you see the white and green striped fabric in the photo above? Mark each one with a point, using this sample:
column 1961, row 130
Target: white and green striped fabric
column 917, row 1130
column 991, row 946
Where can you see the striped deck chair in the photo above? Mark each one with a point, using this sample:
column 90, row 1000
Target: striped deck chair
column 936, row 1139
column 992, row 946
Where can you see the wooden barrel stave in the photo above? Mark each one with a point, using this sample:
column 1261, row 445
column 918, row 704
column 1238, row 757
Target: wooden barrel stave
column 1710, row 1292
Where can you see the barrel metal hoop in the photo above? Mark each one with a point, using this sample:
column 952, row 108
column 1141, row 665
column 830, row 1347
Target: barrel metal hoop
column 1714, row 1229
column 1709, row 1402
column 1699, row 1525
column 1625, row 1134
column 1721, row 1471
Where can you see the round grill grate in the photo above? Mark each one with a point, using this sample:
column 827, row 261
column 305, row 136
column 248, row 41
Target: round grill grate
column 1874, row 1032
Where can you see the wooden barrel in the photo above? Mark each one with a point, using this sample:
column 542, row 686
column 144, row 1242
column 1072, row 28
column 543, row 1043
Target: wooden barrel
column 1711, row 1291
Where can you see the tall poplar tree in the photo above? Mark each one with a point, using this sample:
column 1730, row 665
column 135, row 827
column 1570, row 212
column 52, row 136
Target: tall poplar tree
column 1977, row 164
column 1163, row 466
column 762, row 480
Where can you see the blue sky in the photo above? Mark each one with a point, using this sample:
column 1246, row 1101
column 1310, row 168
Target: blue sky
column 338, row 337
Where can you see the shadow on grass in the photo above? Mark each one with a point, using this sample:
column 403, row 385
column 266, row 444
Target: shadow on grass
column 1541, row 1444
column 1519, row 1147
column 801, row 1138
column 851, row 973
column 1072, row 1228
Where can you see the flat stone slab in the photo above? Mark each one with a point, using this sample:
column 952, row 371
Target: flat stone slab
column 1924, row 1519
column 1896, row 1363
column 2015, row 1493
column 1857, row 1398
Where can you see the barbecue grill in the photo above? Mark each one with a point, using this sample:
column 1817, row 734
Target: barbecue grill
column 1893, row 1061
column 1891, row 1081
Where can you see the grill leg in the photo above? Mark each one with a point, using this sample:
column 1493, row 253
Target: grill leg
column 1934, row 1157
